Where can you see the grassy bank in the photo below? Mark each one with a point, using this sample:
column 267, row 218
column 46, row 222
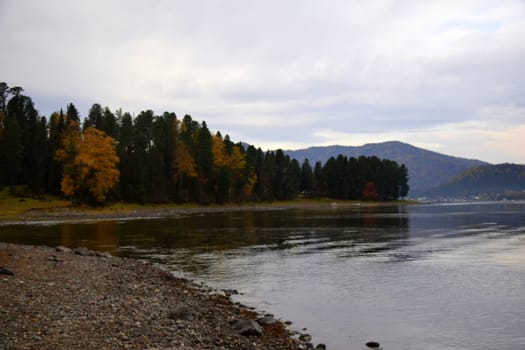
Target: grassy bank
column 14, row 208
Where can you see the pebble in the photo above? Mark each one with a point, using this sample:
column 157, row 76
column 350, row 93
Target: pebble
column 180, row 313
column 63, row 249
column 373, row 345
column 266, row 320
column 6, row 271
column 248, row 327
column 305, row 338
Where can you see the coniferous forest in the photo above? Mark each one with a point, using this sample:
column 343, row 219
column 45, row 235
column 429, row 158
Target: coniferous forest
column 112, row 155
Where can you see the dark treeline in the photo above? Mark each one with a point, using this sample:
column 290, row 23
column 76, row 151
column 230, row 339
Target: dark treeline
column 166, row 159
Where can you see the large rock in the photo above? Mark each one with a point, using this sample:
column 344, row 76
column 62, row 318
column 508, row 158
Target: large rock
column 248, row 327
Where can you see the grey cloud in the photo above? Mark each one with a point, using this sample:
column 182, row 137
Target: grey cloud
column 351, row 66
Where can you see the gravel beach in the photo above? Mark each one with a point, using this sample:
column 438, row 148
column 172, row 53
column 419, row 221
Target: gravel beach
column 55, row 298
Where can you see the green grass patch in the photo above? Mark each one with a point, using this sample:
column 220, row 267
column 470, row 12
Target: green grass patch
column 13, row 207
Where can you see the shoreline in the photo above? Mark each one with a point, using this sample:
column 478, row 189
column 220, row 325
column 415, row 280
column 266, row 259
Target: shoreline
column 120, row 211
column 62, row 299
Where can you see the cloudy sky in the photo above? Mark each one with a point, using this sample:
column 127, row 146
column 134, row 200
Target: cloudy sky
column 446, row 75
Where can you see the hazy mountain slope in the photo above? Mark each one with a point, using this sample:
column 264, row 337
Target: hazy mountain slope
column 426, row 169
column 483, row 180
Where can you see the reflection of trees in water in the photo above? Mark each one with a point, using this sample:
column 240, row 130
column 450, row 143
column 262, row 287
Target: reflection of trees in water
column 101, row 236
column 348, row 232
column 198, row 242
column 201, row 244
column 208, row 232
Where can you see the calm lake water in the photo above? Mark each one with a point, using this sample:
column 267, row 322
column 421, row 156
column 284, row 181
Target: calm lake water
column 442, row 276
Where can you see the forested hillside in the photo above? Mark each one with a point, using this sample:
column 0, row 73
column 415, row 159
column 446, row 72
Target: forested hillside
column 489, row 181
column 426, row 169
column 111, row 155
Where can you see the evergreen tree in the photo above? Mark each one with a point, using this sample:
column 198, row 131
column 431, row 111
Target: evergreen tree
column 292, row 181
column 128, row 162
column 281, row 162
column 307, row 178
column 56, row 126
column 4, row 93
column 142, row 144
column 72, row 114
column 204, row 161
column 403, row 181
column 94, row 118
column 318, row 178
column 12, row 152
column 108, row 123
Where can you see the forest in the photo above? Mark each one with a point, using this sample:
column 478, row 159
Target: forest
column 148, row 158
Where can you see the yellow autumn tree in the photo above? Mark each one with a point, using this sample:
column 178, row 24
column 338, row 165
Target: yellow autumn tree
column 235, row 178
column 184, row 170
column 90, row 165
column 184, row 163
column 220, row 156
column 241, row 173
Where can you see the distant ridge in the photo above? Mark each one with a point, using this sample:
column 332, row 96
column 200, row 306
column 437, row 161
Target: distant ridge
column 426, row 169
column 487, row 181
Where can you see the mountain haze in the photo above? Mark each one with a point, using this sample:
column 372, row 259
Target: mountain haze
column 426, row 169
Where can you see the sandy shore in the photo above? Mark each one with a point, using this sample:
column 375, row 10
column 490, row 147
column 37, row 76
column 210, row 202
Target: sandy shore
column 77, row 300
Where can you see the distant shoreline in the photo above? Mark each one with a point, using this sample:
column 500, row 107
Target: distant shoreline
column 125, row 211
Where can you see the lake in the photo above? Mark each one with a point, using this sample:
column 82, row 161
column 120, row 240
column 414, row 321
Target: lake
column 437, row 276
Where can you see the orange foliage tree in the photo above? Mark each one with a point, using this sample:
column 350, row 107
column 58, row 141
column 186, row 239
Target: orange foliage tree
column 184, row 163
column 237, row 179
column 90, row 165
column 369, row 192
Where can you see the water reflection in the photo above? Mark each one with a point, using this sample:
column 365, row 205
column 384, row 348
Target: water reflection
column 198, row 244
column 103, row 236
column 188, row 241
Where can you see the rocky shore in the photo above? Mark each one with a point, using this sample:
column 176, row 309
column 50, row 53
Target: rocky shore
column 57, row 298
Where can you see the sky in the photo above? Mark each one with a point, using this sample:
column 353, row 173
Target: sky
column 445, row 75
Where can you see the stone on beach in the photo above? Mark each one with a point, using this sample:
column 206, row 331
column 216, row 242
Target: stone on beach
column 181, row 313
column 63, row 249
column 6, row 271
column 373, row 345
column 266, row 320
column 305, row 338
column 131, row 305
column 83, row 251
column 248, row 327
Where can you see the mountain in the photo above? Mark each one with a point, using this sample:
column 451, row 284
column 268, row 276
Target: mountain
column 426, row 169
column 488, row 181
